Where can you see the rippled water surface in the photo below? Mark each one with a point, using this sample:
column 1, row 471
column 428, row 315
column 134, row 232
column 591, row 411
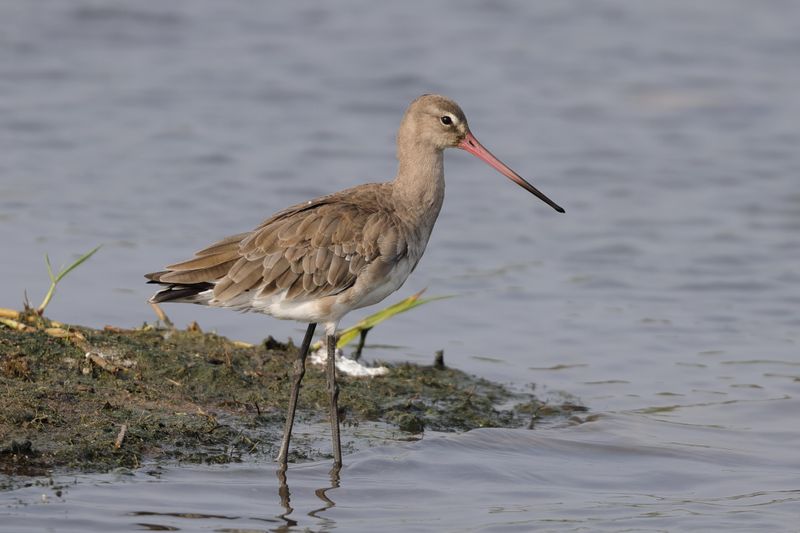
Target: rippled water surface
column 621, row 473
column 666, row 299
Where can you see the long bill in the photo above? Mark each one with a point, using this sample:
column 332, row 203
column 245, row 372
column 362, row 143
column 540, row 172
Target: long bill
column 471, row 145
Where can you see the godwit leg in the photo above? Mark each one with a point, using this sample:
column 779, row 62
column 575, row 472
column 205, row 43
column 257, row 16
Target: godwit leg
column 361, row 340
column 298, row 371
column 333, row 391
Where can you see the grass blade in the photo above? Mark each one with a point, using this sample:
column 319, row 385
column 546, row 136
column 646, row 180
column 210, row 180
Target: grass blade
column 55, row 279
column 49, row 268
column 77, row 263
column 374, row 319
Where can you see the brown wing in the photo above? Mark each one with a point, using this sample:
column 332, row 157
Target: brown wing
column 312, row 250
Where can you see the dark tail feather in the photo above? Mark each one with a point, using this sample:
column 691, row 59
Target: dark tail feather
column 175, row 291
column 179, row 292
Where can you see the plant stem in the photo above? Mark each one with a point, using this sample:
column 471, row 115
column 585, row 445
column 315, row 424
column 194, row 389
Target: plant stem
column 54, row 279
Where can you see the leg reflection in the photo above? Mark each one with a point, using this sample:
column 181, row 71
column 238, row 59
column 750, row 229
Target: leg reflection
column 285, row 495
column 322, row 494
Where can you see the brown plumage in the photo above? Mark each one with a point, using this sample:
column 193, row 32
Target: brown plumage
column 316, row 261
column 311, row 250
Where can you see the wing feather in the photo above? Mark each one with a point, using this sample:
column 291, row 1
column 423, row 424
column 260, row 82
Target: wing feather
column 335, row 270
column 188, row 277
column 228, row 243
column 310, row 250
column 286, row 280
column 205, row 261
column 236, row 288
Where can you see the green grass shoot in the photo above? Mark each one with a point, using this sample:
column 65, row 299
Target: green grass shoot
column 55, row 278
column 374, row 319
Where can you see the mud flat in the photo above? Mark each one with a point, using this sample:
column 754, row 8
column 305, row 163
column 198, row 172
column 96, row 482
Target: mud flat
column 76, row 398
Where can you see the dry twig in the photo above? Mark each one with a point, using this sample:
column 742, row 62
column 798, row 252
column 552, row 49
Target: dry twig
column 100, row 361
column 120, row 436
column 162, row 316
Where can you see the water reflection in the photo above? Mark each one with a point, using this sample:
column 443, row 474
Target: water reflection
column 322, row 493
column 285, row 497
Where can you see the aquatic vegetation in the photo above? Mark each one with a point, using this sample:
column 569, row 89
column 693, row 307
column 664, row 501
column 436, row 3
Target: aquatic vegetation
column 56, row 278
column 364, row 326
column 186, row 395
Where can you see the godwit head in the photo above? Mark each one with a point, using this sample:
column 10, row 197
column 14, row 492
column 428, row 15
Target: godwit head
column 436, row 121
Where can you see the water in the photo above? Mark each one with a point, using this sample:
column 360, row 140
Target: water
column 665, row 299
column 593, row 477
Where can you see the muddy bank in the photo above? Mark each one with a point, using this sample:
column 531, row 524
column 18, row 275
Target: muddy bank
column 186, row 395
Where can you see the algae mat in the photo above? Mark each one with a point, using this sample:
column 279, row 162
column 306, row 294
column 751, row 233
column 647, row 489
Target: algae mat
column 184, row 395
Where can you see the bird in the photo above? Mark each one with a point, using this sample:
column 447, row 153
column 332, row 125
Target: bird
column 316, row 261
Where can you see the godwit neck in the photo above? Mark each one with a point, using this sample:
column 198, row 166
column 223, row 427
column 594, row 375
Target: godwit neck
column 421, row 140
column 418, row 187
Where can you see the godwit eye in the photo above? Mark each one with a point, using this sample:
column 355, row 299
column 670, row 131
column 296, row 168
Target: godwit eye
column 446, row 120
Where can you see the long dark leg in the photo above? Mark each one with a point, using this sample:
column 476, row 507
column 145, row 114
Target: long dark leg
column 361, row 340
column 333, row 391
column 298, row 371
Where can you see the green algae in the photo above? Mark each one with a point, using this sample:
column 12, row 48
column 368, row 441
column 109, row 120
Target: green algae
column 199, row 397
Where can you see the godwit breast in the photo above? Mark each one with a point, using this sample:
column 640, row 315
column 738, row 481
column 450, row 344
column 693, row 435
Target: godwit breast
column 316, row 261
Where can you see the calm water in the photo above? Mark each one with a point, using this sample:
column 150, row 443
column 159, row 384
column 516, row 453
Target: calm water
column 666, row 299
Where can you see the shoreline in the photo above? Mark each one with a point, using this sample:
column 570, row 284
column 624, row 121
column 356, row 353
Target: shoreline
column 83, row 399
